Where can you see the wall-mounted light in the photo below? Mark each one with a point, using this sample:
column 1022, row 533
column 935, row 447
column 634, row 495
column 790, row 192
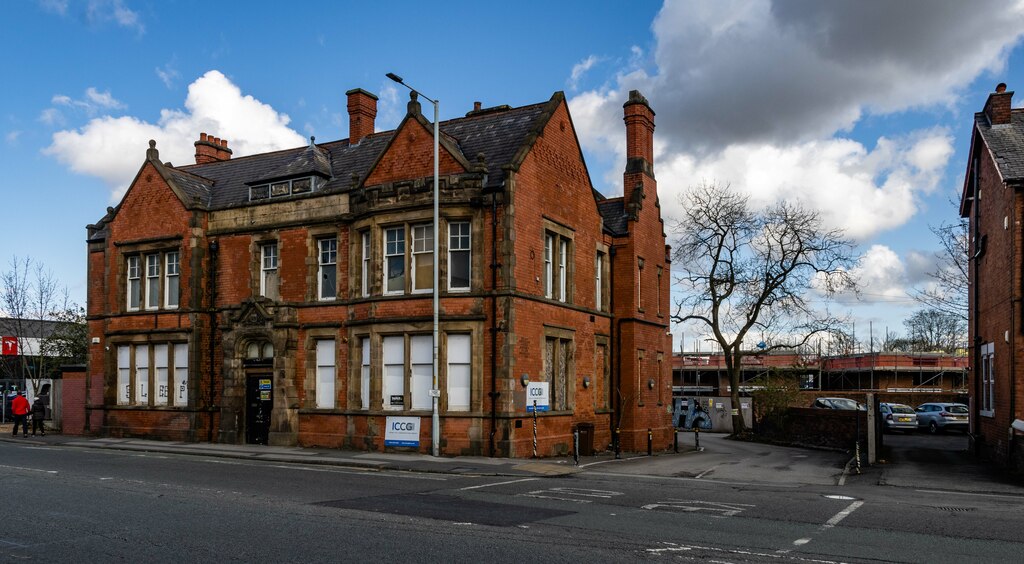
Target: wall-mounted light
column 524, row 379
column 586, row 381
column 650, row 383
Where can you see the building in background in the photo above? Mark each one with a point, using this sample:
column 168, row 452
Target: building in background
column 993, row 203
column 286, row 298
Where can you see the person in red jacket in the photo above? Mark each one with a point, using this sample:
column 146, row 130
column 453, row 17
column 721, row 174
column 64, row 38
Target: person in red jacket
column 20, row 409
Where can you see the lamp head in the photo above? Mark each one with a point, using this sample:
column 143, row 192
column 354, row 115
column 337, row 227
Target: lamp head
column 394, row 77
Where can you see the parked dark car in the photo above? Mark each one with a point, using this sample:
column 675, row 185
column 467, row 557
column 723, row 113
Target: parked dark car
column 838, row 403
column 941, row 416
column 897, row 417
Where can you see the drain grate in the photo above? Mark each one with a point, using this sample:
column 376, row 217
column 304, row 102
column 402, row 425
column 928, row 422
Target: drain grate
column 956, row 509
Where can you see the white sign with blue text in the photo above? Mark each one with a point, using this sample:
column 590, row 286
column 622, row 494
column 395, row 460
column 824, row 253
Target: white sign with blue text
column 402, row 432
column 537, row 394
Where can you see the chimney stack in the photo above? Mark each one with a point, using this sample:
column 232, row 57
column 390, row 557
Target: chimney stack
column 211, row 149
column 362, row 111
column 639, row 118
column 997, row 108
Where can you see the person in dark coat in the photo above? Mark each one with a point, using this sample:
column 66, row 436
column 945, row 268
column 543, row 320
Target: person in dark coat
column 38, row 414
column 20, row 409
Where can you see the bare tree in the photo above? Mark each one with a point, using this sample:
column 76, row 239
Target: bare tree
column 30, row 295
column 934, row 330
column 948, row 291
column 744, row 270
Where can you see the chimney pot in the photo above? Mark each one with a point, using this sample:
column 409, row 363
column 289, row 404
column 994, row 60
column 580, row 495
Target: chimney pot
column 202, row 137
column 476, row 106
column 1001, row 87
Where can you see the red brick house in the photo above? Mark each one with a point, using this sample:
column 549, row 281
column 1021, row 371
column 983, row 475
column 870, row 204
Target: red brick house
column 993, row 203
column 286, row 297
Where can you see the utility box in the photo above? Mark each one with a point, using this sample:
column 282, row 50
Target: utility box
column 586, row 431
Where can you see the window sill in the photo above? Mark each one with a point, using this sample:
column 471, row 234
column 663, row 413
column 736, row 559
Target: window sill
column 990, row 414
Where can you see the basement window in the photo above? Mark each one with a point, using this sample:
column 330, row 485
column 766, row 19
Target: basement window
column 283, row 188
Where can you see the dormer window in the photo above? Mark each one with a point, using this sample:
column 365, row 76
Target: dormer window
column 283, row 188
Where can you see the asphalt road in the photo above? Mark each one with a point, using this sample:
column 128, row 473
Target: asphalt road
column 67, row 504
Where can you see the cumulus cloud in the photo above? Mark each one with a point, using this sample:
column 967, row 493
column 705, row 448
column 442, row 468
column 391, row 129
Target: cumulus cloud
column 12, row 136
column 104, row 147
column 762, row 95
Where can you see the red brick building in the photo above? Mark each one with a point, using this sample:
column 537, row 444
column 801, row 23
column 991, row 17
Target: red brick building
column 992, row 201
column 286, row 297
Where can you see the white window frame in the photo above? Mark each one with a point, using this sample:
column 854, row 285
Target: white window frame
column 134, row 276
column 639, row 283
column 180, row 379
column 140, row 380
column 422, row 245
column 988, row 380
column 460, row 242
column 152, row 287
column 269, row 266
column 326, row 374
column 161, row 374
column 172, row 273
column 460, row 372
column 327, row 259
column 393, row 371
column 549, row 271
column 398, row 250
column 598, row 281
column 563, row 251
column 124, row 375
column 364, row 374
column 421, row 371
column 366, row 263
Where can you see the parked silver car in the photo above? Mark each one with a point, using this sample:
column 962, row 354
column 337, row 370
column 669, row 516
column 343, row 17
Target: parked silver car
column 897, row 417
column 838, row 403
column 941, row 416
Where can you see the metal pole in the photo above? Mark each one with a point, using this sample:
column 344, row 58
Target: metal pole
column 435, row 392
column 435, row 439
column 535, row 428
column 576, row 446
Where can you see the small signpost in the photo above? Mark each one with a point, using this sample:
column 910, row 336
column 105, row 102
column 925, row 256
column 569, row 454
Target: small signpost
column 402, row 432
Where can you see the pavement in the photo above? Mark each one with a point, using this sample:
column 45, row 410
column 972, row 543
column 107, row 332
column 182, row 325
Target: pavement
column 913, row 463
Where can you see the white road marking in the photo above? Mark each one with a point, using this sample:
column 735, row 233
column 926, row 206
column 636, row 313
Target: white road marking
column 611, row 460
column 679, row 479
column 498, row 484
column 29, row 469
column 672, row 547
column 575, row 493
column 828, row 524
column 708, row 471
column 840, row 497
column 726, row 509
column 842, row 514
column 1016, row 497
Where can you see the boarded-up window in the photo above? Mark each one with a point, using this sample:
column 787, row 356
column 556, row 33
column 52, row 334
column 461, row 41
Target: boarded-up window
column 421, row 355
column 393, row 386
column 458, row 372
column 325, row 374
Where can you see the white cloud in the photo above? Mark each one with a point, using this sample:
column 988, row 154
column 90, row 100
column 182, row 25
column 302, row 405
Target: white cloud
column 100, row 12
column 762, row 95
column 93, row 102
column 59, row 7
column 51, row 116
column 112, row 148
column 168, row 74
column 580, row 69
column 12, row 136
column 390, row 110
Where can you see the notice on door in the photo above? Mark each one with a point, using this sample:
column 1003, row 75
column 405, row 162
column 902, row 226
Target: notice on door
column 402, row 432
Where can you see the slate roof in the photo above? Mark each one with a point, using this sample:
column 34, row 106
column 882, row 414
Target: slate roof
column 1006, row 142
column 614, row 213
column 225, row 184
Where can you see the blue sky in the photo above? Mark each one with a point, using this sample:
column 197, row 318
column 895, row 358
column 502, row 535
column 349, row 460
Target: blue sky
column 860, row 110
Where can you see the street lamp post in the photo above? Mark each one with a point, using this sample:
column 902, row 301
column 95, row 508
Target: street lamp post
column 435, row 393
